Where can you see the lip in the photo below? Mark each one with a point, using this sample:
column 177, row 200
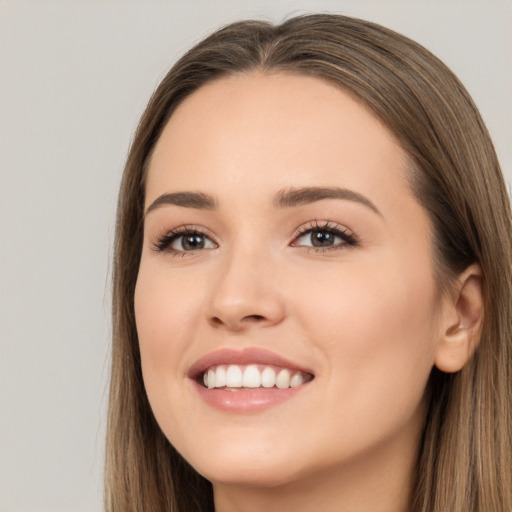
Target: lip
column 244, row 400
column 251, row 355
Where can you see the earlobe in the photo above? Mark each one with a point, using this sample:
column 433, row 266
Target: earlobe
column 463, row 317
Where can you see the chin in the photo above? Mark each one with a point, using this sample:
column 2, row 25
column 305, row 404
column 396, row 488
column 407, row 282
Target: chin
column 250, row 474
column 247, row 465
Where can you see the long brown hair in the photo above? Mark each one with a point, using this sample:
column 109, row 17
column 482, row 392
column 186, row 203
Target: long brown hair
column 465, row 457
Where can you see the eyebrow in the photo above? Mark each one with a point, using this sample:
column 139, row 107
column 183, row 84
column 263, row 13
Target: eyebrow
column 291, row 197
column 287, row 198
column 196, row 200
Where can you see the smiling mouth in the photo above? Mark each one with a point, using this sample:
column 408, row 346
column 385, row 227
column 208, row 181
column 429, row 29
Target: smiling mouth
column 252, row 376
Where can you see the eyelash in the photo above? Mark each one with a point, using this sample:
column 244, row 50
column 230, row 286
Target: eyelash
column 165, row 241
column 348, row 238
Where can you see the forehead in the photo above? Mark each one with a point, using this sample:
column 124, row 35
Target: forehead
column 277, row 129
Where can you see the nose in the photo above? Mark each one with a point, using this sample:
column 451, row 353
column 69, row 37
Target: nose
column 245, row 293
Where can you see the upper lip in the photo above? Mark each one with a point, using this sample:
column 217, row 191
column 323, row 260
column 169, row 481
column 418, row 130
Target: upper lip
column 251, row 355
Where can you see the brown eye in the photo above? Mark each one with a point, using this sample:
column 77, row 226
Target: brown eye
column 324, row 237
column 319, row 238
column 191, row 242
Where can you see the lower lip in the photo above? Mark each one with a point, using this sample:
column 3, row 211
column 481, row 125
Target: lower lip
column 244, row 400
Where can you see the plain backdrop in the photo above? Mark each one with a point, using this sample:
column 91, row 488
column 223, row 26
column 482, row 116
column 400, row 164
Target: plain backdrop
column 74, row 78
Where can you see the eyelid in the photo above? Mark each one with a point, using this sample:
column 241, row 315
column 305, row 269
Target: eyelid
column 163, row 242
column 348, row 237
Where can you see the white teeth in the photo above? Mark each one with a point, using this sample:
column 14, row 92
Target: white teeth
column 283, row 379
column 296, row 380
column 252, row 376
column 220, row 377
column 234, row 376
column 211, row 379
column 268, row 378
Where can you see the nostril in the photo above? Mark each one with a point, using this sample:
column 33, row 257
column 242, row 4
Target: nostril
column 254, row 317
column 216, row 321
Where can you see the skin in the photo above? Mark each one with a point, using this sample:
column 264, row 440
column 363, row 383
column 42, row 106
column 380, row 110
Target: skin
column 366, row 319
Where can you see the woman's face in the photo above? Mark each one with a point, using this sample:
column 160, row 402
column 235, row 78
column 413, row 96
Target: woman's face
column 282, row 240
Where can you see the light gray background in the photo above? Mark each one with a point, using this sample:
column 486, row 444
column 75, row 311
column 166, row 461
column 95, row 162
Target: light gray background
column 74, row 78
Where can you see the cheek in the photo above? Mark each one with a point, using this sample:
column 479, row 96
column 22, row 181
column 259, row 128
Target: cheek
column 377, row 332
column 370, row 306
column 164, row 310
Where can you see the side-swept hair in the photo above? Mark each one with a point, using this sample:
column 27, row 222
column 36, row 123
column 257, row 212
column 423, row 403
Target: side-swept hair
column 465, row 457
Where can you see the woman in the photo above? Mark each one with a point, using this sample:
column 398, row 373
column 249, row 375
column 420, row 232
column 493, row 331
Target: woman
column 311, row 283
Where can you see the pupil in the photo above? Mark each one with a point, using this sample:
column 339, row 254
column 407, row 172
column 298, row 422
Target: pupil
column 192, row 242
column 322, row 238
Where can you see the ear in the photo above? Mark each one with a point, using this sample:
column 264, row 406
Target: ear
column 462, row 320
